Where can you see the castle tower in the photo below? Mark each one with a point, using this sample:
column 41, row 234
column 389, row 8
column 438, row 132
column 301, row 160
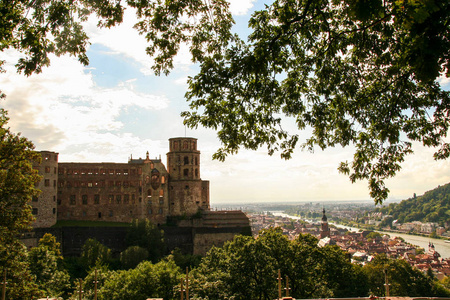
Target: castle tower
column 325, row 230
column 44, row 206
column 187, row 192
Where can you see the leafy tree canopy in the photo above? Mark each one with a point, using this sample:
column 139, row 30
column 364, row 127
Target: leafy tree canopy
column 17, row 187
column 433, row 206
column 247, row 268
column 361, row 73
column 46, row 265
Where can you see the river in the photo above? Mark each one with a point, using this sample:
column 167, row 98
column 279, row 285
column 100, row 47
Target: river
column 439, row 245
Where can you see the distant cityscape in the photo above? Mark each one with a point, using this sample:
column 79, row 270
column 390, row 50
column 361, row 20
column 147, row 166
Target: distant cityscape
column 361, row 246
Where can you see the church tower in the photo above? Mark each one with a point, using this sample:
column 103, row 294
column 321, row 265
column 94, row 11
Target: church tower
column 188, row 193
column 325, row 230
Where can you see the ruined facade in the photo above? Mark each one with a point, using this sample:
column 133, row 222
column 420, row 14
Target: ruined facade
column 121, row 192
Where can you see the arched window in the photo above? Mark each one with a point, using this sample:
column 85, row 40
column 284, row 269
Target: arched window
column 161, row 193
column 186, row 160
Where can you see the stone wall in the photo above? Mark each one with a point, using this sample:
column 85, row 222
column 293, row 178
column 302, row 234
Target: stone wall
column 192, row 239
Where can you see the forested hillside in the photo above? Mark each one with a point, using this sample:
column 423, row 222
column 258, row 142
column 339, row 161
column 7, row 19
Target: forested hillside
column 433, row 206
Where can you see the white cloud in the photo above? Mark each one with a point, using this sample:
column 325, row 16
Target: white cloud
column 62, row 109
column 241, row 7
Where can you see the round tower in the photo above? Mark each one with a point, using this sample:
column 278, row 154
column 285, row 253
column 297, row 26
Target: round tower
column 188, row 193
column 183, row 159
column 44, row 206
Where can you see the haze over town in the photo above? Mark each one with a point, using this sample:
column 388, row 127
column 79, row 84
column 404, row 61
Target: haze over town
column 116, row 107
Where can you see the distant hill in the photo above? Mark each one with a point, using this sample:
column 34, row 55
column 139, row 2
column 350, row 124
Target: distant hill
column 433, row 206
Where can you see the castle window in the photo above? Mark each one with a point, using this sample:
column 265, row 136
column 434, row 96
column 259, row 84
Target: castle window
column 84, row 199
column 186, row 160
column 54, row 198
column 34, row 199
column 46, row 157
column 111, row 198
column 125, row 172
column 61, row 171
column 103, row 171
column 47, row 182
column 118, row 199
column 54, row 210
column 96, row 199
column 99, row 215
column 196, row 161
column 61, row 183
column 54, row 183
column 89, row 184
column 139, row 171
column 59, row 201
column 54, row 170
column 95, row 171
column 84, row 214
column 161, row 201
column 118, row 172
column 69, row 171
column 118, row 183
column 150, row 211
column 140, row 199
column 185, row 145
column 133, row 198
column 186, row 172
column 163, row 179
column 73, row 199
column 111, row 172
column 68, row 184
column 196, row 173
column 126, row 184
column 126, row 198
column 47, row 169
column 89, row 171
column 160, row 211
column 35, row 211
column 149, row 192
column 133, row 172
column 161, row 193
column 110, row 213
column 83, row 184
column 75, row 172
column 186, row 187
column 83, row 171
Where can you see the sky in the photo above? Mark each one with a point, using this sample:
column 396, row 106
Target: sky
column 116, row 107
